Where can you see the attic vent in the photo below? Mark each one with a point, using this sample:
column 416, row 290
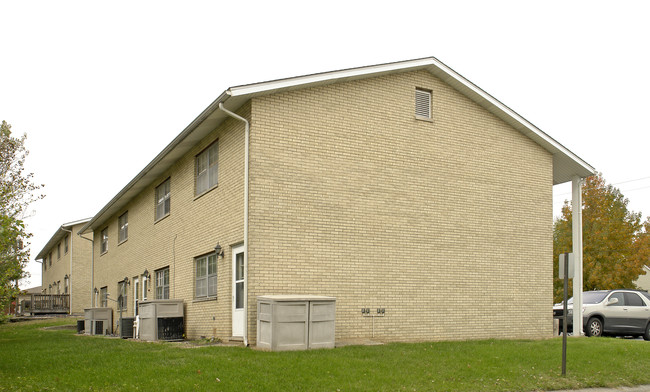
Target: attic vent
column 422, row 103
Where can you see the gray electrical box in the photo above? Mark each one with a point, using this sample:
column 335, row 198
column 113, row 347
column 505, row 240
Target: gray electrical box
column 295, row 322
column 161, row 319
column 98, row 321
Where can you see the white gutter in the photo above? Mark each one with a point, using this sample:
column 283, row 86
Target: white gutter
column 70, row 274
column 246, row 148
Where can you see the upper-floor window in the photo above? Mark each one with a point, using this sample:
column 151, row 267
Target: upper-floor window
column 163, row 192
column 66, row 284
column 45, row 264
column 58, row 251
column 207, row 164
column 422, row 103
column 104, row 244
column 206, row 276
column 49, row 256
column 66, row 244
column 162, row 283
column 103, row 296
column 121, row 295
column 123, row 227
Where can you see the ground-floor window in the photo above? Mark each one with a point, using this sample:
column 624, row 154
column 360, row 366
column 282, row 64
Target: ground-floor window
column 121, row 296
column 162, row 283
column 103, row 296
column 206, row 276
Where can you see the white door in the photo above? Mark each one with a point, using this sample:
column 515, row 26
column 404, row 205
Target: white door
column 238, row 293
column 136, row 295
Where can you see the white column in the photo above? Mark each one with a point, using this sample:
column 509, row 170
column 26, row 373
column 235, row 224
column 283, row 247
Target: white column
column 576, row 207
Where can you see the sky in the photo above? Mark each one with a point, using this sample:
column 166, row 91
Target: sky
column 100, row 88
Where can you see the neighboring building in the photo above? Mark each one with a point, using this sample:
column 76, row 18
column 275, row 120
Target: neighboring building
column 400, row 186
column 66, row 271
column 24, row 301
column 644, row 280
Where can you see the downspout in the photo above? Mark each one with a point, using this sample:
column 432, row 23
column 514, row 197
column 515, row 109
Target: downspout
column 246, row 147
column 92, row 269
column 69, row 275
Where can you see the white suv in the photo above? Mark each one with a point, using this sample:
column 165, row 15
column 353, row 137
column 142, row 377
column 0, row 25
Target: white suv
column 614, row 312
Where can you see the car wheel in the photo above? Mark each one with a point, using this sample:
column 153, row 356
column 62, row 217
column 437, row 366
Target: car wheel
column 594, row 327
column 646, row 335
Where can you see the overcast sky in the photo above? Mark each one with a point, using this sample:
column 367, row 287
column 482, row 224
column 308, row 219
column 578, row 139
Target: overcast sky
column 101, row 88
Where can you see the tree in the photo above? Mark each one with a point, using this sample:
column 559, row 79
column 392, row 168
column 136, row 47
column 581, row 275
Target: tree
column 16, row 193
column 614, row 242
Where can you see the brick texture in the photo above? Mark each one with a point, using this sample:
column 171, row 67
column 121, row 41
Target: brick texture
column 447, row 224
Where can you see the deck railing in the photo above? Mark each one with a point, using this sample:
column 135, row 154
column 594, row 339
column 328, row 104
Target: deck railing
column 50, row 303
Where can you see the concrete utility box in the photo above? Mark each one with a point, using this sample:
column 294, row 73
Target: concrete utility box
column 295, row 322
column 98, row 321
column 161, row 319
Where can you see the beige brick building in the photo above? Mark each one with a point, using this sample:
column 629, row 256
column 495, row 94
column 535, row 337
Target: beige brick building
column 400, row 186
column 65, row 260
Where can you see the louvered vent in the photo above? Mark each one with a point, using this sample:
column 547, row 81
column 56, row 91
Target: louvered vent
column 423, row 103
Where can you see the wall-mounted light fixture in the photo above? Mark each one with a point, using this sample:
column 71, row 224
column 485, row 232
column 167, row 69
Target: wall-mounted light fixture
column 96, row 291
column 126, row 280
column 146, row 274
column 218, row 250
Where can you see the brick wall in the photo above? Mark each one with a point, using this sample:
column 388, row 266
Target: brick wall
column 193, row 228
column 80, row 289
column 447, row 224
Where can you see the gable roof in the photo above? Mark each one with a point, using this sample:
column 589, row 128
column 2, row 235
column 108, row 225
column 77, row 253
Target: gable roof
column 58, row 236
column 565, row 163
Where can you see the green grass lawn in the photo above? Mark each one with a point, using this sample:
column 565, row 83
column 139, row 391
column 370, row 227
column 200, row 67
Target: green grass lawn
column 37, row 359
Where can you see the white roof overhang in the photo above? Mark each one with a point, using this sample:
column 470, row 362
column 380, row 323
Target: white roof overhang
column 58, row 236
column 566, row 165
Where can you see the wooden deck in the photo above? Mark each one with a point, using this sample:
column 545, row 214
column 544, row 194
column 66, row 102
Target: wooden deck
column 46, row 304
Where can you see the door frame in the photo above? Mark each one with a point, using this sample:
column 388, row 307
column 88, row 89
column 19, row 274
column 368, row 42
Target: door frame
column 136, row 295
column 238, row 314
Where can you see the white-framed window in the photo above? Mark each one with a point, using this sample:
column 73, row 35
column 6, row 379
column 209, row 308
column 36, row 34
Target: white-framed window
column 66, row 285
column 49, row 256
column 422, row 103
column 103, row 297
column 58, row 251
column 207, row 168
column 121, row 296
column 66, row 244
column 205, row 272
column 123, row 227
column 162, row 283
column 163, row 202
column 104, row 243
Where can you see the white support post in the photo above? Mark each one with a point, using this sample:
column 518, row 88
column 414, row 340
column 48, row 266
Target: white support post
column 576, row 207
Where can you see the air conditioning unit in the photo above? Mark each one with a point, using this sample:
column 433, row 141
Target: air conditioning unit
column 98, row 321
column 161, row 319
column 126, row 329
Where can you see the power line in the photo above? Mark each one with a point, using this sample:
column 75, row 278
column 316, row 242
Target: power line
column 618, row 183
